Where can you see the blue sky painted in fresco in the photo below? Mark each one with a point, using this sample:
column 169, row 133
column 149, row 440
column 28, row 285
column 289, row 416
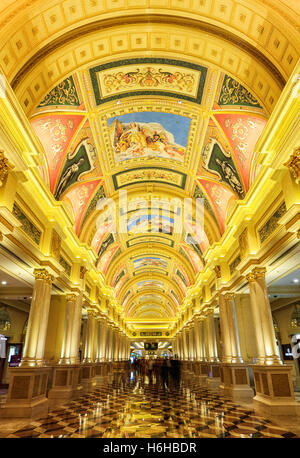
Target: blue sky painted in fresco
column 178, row 125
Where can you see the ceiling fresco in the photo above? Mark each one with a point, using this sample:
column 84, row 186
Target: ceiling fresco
column 160, row 129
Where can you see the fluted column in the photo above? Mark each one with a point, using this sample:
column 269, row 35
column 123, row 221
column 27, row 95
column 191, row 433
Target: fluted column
column 34, row 348
column 262, row 316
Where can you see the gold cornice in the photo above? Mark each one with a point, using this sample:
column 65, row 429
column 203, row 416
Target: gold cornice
column 148, row 19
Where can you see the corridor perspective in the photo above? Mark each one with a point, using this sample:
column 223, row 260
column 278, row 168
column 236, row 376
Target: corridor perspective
column 149, row 218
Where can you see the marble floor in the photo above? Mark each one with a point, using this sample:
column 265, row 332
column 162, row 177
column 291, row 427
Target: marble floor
column 130, row 406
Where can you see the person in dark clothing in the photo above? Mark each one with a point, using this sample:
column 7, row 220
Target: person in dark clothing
column 164, row 374
column 175, row 371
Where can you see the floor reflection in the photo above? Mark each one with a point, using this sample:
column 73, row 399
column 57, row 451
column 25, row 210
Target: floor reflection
column 129, row 405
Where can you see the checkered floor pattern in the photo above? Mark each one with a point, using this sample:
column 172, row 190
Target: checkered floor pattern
column 128, row 406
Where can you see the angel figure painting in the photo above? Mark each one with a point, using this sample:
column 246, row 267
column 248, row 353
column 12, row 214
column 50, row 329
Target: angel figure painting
column 149, row 135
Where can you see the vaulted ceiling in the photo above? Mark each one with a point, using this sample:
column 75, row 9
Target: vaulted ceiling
column 159, row 129
column 168, row 105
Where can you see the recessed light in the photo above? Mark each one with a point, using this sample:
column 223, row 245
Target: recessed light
column 4, row 283
column 296, row 280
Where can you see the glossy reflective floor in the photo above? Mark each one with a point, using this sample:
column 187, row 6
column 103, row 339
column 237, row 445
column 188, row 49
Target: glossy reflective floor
column 132, row 406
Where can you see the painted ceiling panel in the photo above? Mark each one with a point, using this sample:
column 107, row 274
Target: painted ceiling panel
column 242, row 132
column 56, row 131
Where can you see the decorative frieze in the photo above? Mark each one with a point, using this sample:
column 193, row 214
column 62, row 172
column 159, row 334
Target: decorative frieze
column 234, row 264
column 27, row 226
column 65, row 265
column 269, row 227
column 55, row 245
column 243, row 243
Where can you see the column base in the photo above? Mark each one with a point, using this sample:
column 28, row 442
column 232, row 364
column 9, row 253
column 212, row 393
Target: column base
column 274, row 390
column 235, row 381
column 27, row 393
column 31, row 410
column 77, row 384
column 88, row 379
column 213, row 380
column 61, row 384
column 213, row 383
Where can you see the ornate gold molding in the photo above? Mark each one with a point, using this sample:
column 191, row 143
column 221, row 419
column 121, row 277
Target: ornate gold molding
column 83, row 271
column 243, row 243
column 294, row 164
column 43, row 274
column 218, row 271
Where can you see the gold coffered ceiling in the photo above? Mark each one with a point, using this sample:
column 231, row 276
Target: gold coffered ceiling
column 155, row 108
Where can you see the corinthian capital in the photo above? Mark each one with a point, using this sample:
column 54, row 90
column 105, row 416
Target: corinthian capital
column 5, row 166
column 258, row 272
column 43, row 274
column 71, row 297
column 294, row 164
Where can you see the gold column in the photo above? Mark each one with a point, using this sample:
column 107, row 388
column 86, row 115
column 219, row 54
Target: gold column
column 103, row 337
column 90, row 336
column 230, row 338
column 262, row 316
column 212, row 353
column 196, row 339
column 69, row 326
column 75, row 338
column 202, row 342
column 192, row 342
column 34, row 348
column 98, row 340
column 225, row 332
column 111, row 343
column 184, row 340
column 181, row 344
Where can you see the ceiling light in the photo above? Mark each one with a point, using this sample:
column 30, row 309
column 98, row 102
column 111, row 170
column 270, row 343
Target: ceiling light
column 296, row 280
column 4, row 283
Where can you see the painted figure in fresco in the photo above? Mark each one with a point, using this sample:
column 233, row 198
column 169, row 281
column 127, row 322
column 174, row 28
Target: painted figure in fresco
column 67, row 177
column 144, row 139
column 230, row 176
